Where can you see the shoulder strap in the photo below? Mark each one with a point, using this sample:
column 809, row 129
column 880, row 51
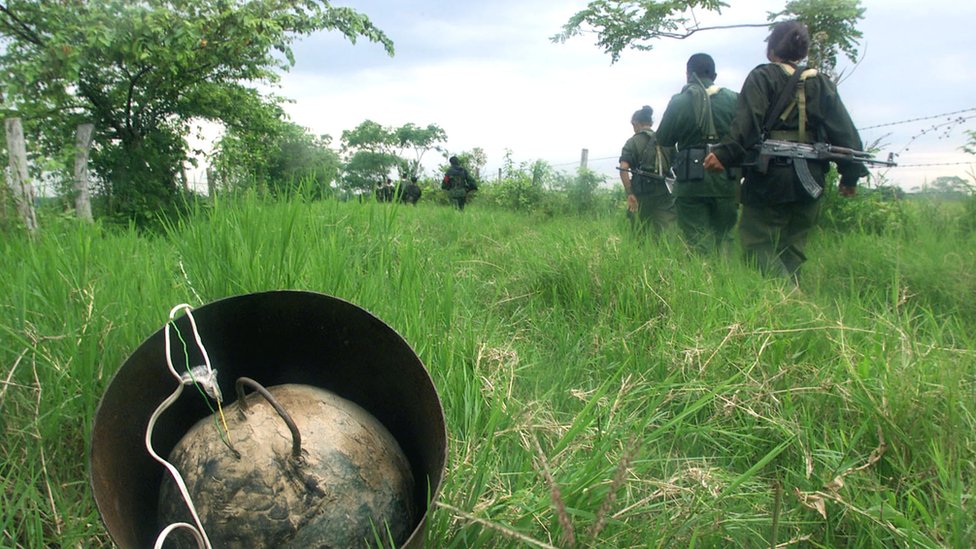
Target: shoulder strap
column 706, row 121
column 782, row 99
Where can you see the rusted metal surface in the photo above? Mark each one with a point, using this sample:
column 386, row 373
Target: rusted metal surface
column 276, row 338
column 351, row 482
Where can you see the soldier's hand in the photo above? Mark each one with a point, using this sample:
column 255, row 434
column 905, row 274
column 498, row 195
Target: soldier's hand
column 712, row 163
column 631, row 203
column 847, row 191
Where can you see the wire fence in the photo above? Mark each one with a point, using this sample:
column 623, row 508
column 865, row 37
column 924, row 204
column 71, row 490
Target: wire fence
column 948, row 122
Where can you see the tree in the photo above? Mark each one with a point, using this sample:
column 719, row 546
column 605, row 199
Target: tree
column 373, row 150
column 279, row 158
column 949, row 185
column 141, row 71
column 637, row 24
column 410, row 138
column 474, row 160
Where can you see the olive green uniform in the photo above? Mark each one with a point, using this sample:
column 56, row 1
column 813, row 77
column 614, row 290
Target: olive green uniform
column 655, row 205
column 704, row 201
column 777, row 213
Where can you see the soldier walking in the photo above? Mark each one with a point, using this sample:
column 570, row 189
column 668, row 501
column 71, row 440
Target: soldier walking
column 780, row 196
column 697, row 117
column 458, row 183
column 642, row 168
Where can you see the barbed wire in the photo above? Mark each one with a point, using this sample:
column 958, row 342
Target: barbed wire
column 919, row 119
column 944, row 128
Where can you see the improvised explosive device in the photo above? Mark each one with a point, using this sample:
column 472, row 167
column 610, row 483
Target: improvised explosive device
column 304, row 468
column 365, row 434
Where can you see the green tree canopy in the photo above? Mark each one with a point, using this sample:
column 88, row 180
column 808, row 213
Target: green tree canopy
column 637, row 24
column 142, row 70
column 278, row 155
column 372, row 150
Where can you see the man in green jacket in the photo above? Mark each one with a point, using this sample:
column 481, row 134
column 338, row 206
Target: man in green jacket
column 699, row 116
column 649, row 202
column 778, row 209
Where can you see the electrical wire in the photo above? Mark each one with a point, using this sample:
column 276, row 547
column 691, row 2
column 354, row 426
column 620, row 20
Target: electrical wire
column 199, row 533
column 173, row 527
column 206, row 385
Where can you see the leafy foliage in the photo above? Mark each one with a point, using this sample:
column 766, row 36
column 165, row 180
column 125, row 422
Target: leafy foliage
column 967, row 221
column 970, row 145
column 876, row 211
column 636, row 24
column 520, row 187
column 832, row 28
column 581, row 191
column 474, row 160
column 373, row 150
column 142, row 70
column 280, row 158
column 622, row 24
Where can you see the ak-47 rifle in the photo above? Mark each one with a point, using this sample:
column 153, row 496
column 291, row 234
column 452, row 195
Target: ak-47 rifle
column 668, row 181
column 817, row 151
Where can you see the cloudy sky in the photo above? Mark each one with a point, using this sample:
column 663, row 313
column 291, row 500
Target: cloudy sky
column 489, row 75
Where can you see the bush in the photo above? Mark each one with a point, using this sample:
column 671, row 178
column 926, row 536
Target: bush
column 871, row 211
column 967, row 221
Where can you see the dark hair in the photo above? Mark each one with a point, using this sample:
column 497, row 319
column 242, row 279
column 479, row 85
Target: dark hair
column 703, row 65
column 789, row 40
column 413, row 179
column 454, row 160
column 644, row 116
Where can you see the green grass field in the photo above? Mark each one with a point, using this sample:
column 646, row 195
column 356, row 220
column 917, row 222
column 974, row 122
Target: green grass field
column 600, row 390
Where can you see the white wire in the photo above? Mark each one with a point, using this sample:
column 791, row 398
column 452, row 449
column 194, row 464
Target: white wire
column 199, row 533
column 166, row 531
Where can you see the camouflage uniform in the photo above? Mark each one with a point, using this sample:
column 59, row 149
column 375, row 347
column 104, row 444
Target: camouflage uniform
column 705, row 201
column 655, row 205
column 777, row 213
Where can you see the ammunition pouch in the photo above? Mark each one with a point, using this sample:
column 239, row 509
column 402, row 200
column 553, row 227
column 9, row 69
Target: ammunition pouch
column 641, row 185
column 689, row 164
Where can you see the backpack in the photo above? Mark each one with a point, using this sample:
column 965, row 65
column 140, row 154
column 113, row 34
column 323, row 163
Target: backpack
column 457, row 183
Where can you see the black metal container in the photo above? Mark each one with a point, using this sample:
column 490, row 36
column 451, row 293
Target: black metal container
column 275, row 337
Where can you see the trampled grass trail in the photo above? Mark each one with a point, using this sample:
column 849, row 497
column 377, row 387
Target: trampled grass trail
column 600, row 390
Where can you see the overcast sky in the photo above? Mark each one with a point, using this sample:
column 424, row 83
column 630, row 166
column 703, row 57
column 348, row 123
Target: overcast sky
column 489, row 75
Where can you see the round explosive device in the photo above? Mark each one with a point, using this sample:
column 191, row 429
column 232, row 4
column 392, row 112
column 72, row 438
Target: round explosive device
column 330, row 476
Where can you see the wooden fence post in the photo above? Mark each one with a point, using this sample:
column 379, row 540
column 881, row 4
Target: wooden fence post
column 584, row 157
column 21, row 186
column 83, row 140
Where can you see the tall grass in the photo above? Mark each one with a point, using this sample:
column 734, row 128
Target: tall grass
column 600, row 390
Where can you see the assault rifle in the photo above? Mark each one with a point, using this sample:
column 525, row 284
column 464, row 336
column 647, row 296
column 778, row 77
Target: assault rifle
column 668, row 181
column 801, row 152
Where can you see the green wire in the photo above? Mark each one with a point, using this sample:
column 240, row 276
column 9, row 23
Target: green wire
column 213, row 412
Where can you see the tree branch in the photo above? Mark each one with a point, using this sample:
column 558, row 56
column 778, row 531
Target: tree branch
column 20, row 28
column 133, row 80
column 679, row 36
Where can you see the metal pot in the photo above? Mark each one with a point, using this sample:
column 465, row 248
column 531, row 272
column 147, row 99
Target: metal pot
column 275, row 337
